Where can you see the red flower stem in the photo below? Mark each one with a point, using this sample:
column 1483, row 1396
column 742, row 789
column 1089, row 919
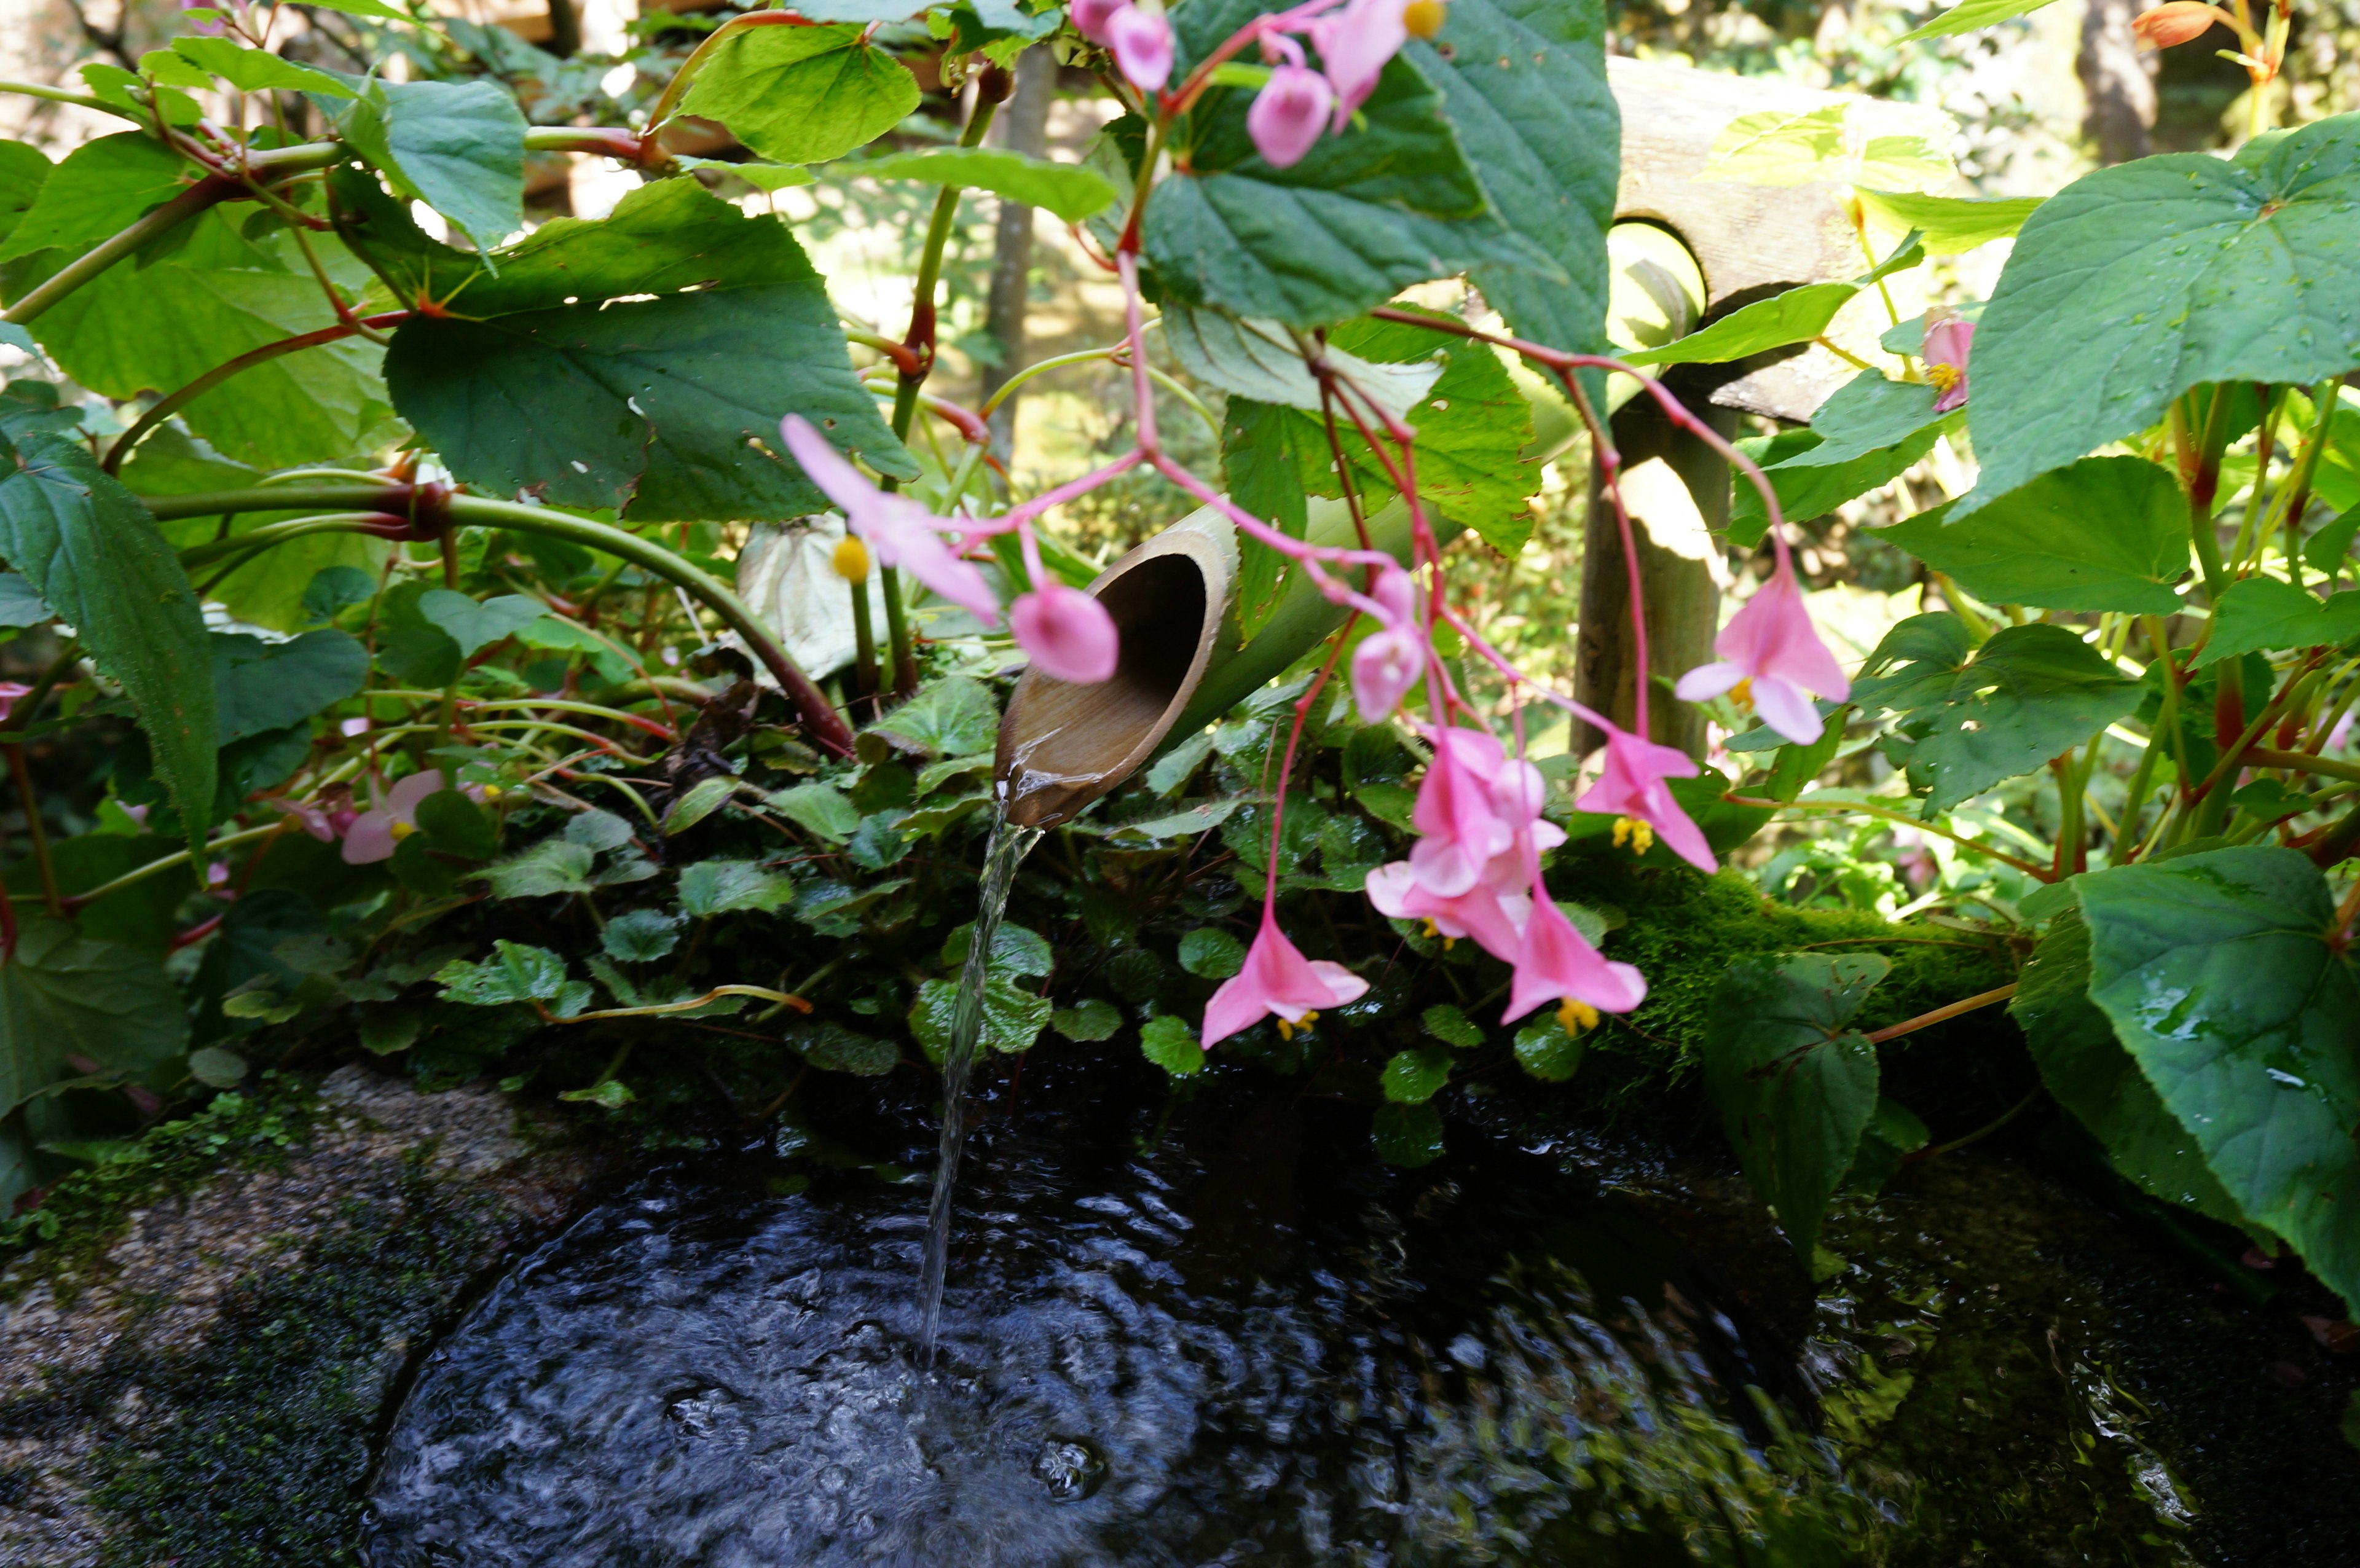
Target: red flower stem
column 1287, row 770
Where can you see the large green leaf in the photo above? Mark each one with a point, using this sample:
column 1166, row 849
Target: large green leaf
column 1259, row 360
column 1525, row 84
column 262, row 686
column 157, row 327
column 2221, row 974
column 2027, row 694
column 1798, row 315
column 67, row 995
column 92, row 553
column 803, row 94
column 1071, row 190
column 2264, row 614
column 2109, row 533
column 96, row 194
column 1794, row 1084
column 255, row 70
column 2139, row 281
column 2093, row 1077
column 457, row 146
column 1389, row 202
column 668, row 407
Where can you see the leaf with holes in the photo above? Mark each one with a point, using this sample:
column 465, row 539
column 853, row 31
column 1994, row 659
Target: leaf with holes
column 457, row 146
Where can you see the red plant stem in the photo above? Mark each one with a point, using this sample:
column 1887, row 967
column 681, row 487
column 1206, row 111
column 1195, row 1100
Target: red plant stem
column 1285, row 770
column 166, row 406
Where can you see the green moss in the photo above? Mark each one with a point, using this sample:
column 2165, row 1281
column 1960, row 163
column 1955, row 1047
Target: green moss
column 88, row 1209
column 273, row 1417
column 1684, row 929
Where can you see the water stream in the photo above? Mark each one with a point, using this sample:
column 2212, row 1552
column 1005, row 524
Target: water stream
column 1006, row 851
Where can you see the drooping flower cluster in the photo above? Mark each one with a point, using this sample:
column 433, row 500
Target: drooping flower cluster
column 1139, row 39
column 1298, row 103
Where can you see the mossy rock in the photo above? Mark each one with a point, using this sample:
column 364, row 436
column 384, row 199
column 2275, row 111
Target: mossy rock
column 195, row 1370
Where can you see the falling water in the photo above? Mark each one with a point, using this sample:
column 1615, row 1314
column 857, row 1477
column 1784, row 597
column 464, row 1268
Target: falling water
column 1008, row 847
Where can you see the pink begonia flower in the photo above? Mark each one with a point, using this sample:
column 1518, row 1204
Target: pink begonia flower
column 1069, row 635
column 374, row 835
column 312, row 819
column 1278, row 980
column 1555, row 964
column 1630, row 786
column 1390, row 659
column 1771, row 645
column 1947, row 343
column 1457, row 814
column 1494, row 918
column 1354, row 45
column 901, row 531
column 1090, row 17
column 1289, row 113
column 10, row 692
column 1141, row 43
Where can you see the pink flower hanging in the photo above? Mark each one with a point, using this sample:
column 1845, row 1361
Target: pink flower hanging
column 1390, row 659
column 1772, row 645
column 1630, row 786
column 1277, row 981
column 1068, row 634
column 1557, row 965
column 1289, row 113
column 1457, row 814
column 1090, row 17
column 903, row 533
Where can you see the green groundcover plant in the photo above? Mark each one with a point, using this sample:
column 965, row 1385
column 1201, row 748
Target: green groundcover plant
column 388, row 553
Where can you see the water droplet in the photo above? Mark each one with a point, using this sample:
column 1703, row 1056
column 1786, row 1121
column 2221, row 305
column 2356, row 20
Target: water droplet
column 1071, row 1471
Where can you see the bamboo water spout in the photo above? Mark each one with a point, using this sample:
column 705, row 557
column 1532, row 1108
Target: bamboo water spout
column 1184, row 661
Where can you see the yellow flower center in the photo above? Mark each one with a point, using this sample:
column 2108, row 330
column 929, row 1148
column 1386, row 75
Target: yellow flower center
column 1423, row 19
column 1943, row 377
column 852, row 559
column 492, row 791
column 1577, row 1016
column 401, row 830
column 1286, row 1030
column 1640, row 835
column 1743, row 696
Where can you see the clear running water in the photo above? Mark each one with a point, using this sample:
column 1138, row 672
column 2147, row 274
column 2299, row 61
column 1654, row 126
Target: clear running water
column 1006, row 849
column 1217, row 1333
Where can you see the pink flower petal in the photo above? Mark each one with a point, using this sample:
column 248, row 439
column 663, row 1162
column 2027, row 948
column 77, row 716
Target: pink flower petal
column 1068, row 634
column 1090, row 17
column 1556, row 963
column 1276, row 979
column 1355, row 44
column 1787, row 708
column 1385, row 667
column 369, row 839
column 1288, row 115
column 1631, row 784
column 402, row 800
column 1141, row 46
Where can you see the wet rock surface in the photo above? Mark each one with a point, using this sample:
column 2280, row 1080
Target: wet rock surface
column 215, row 1372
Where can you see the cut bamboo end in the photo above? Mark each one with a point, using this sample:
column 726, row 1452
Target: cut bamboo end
column 1063, row 745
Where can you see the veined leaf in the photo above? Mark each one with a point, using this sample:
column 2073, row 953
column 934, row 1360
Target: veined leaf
column 2138, row 282
column 457, row 146
column 1069, row 189
column 1794, row 1082
column 1868, row 432
column 801, row 94
column 64, row 995
column 1257, row 360
column 254, row 70
column 92, row 553
column 1389, row 202
column 2027, row 694
column 2109, row 533
column 2091, row 1076
column 1525, row 84
column 2219, row 975
column 97, row 192
column 669, row 406
column 260, row 686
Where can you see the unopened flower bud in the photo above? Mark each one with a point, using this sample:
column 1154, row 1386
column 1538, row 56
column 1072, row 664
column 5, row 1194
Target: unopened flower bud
column 2177, row 22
